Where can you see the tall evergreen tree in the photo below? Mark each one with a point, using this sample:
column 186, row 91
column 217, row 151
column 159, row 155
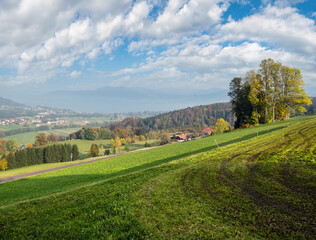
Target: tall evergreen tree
column 31, row 156
column 20, row 158
column 65, row 156
column 11, row 160
column 56, row 153
column 38, row 155
column 75, row 152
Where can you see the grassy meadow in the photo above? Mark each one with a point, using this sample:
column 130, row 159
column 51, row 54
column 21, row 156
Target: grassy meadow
column 85, row 145
column 34, row 168
column 249, row 188
column 8, row 127
column 29, row 137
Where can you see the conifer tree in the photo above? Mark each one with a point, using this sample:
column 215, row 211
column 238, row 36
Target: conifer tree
column 20, row 158
column 31, row 156
column 56, row 153
column 48, row 154
column 45, row 155
column 38, row 155
column 11, row 160
column 65, row 155
column 75, row 152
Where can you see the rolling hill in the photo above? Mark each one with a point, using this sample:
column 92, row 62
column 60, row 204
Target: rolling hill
column 259, row 184
column 6, row 103
column 192, row 117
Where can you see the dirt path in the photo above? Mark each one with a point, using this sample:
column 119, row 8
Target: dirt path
column 29, row 174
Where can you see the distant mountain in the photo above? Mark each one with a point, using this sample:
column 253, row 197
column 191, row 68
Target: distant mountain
column 12, row 109
column 6, row 103
column 123, row 100
column 192, row 117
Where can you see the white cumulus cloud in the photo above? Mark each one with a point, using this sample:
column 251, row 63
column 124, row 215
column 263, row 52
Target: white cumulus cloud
column 75, row 74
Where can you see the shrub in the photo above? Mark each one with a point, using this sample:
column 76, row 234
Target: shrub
column 107, row 152
column 3, row 164
column 94, row 150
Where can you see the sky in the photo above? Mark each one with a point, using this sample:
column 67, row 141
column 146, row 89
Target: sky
column 166, row 45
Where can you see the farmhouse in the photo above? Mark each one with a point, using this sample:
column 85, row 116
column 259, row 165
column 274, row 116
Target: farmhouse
column 183, row 137
column 207, row 131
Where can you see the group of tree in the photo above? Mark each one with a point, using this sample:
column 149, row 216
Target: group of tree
column 43, row 139
column 8, row 145
column 128, row 135
column 39, row 155
column 270, row 94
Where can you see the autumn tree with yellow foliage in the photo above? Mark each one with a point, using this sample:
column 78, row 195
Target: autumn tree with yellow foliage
column 274, row 92
column 222, row 126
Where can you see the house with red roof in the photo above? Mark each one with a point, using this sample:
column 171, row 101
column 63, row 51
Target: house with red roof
column 207, row 131
column 183, row 137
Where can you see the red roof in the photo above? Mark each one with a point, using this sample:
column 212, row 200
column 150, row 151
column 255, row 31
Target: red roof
column 208, row 130
column 183, row 136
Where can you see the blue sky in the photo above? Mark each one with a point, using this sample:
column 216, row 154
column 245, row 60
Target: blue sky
column 180, row 45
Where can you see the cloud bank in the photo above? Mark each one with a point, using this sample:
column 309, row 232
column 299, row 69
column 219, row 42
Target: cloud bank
column 163, row 44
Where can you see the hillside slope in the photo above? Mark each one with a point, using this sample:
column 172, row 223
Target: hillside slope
column 9, row 103
column 262, row 188
column 192, row 117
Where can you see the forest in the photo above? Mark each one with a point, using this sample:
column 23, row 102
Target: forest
column 192, row 117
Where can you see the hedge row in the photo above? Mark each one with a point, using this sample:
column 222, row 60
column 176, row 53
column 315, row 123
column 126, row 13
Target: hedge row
column 39, row 155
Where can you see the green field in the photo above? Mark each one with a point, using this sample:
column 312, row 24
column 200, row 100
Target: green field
column 29, row 137
column 85, row 145
column 90, row 119
column 27, row 169
column 249, row 188
column 8, row 127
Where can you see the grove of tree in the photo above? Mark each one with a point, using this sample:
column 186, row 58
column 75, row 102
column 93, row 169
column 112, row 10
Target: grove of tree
column 39, row 155
column 268, row 95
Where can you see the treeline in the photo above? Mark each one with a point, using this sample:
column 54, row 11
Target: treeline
column 131, row 135
column 40, row 155
column 192, row 117
column 14, row 113
column 271, row 94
